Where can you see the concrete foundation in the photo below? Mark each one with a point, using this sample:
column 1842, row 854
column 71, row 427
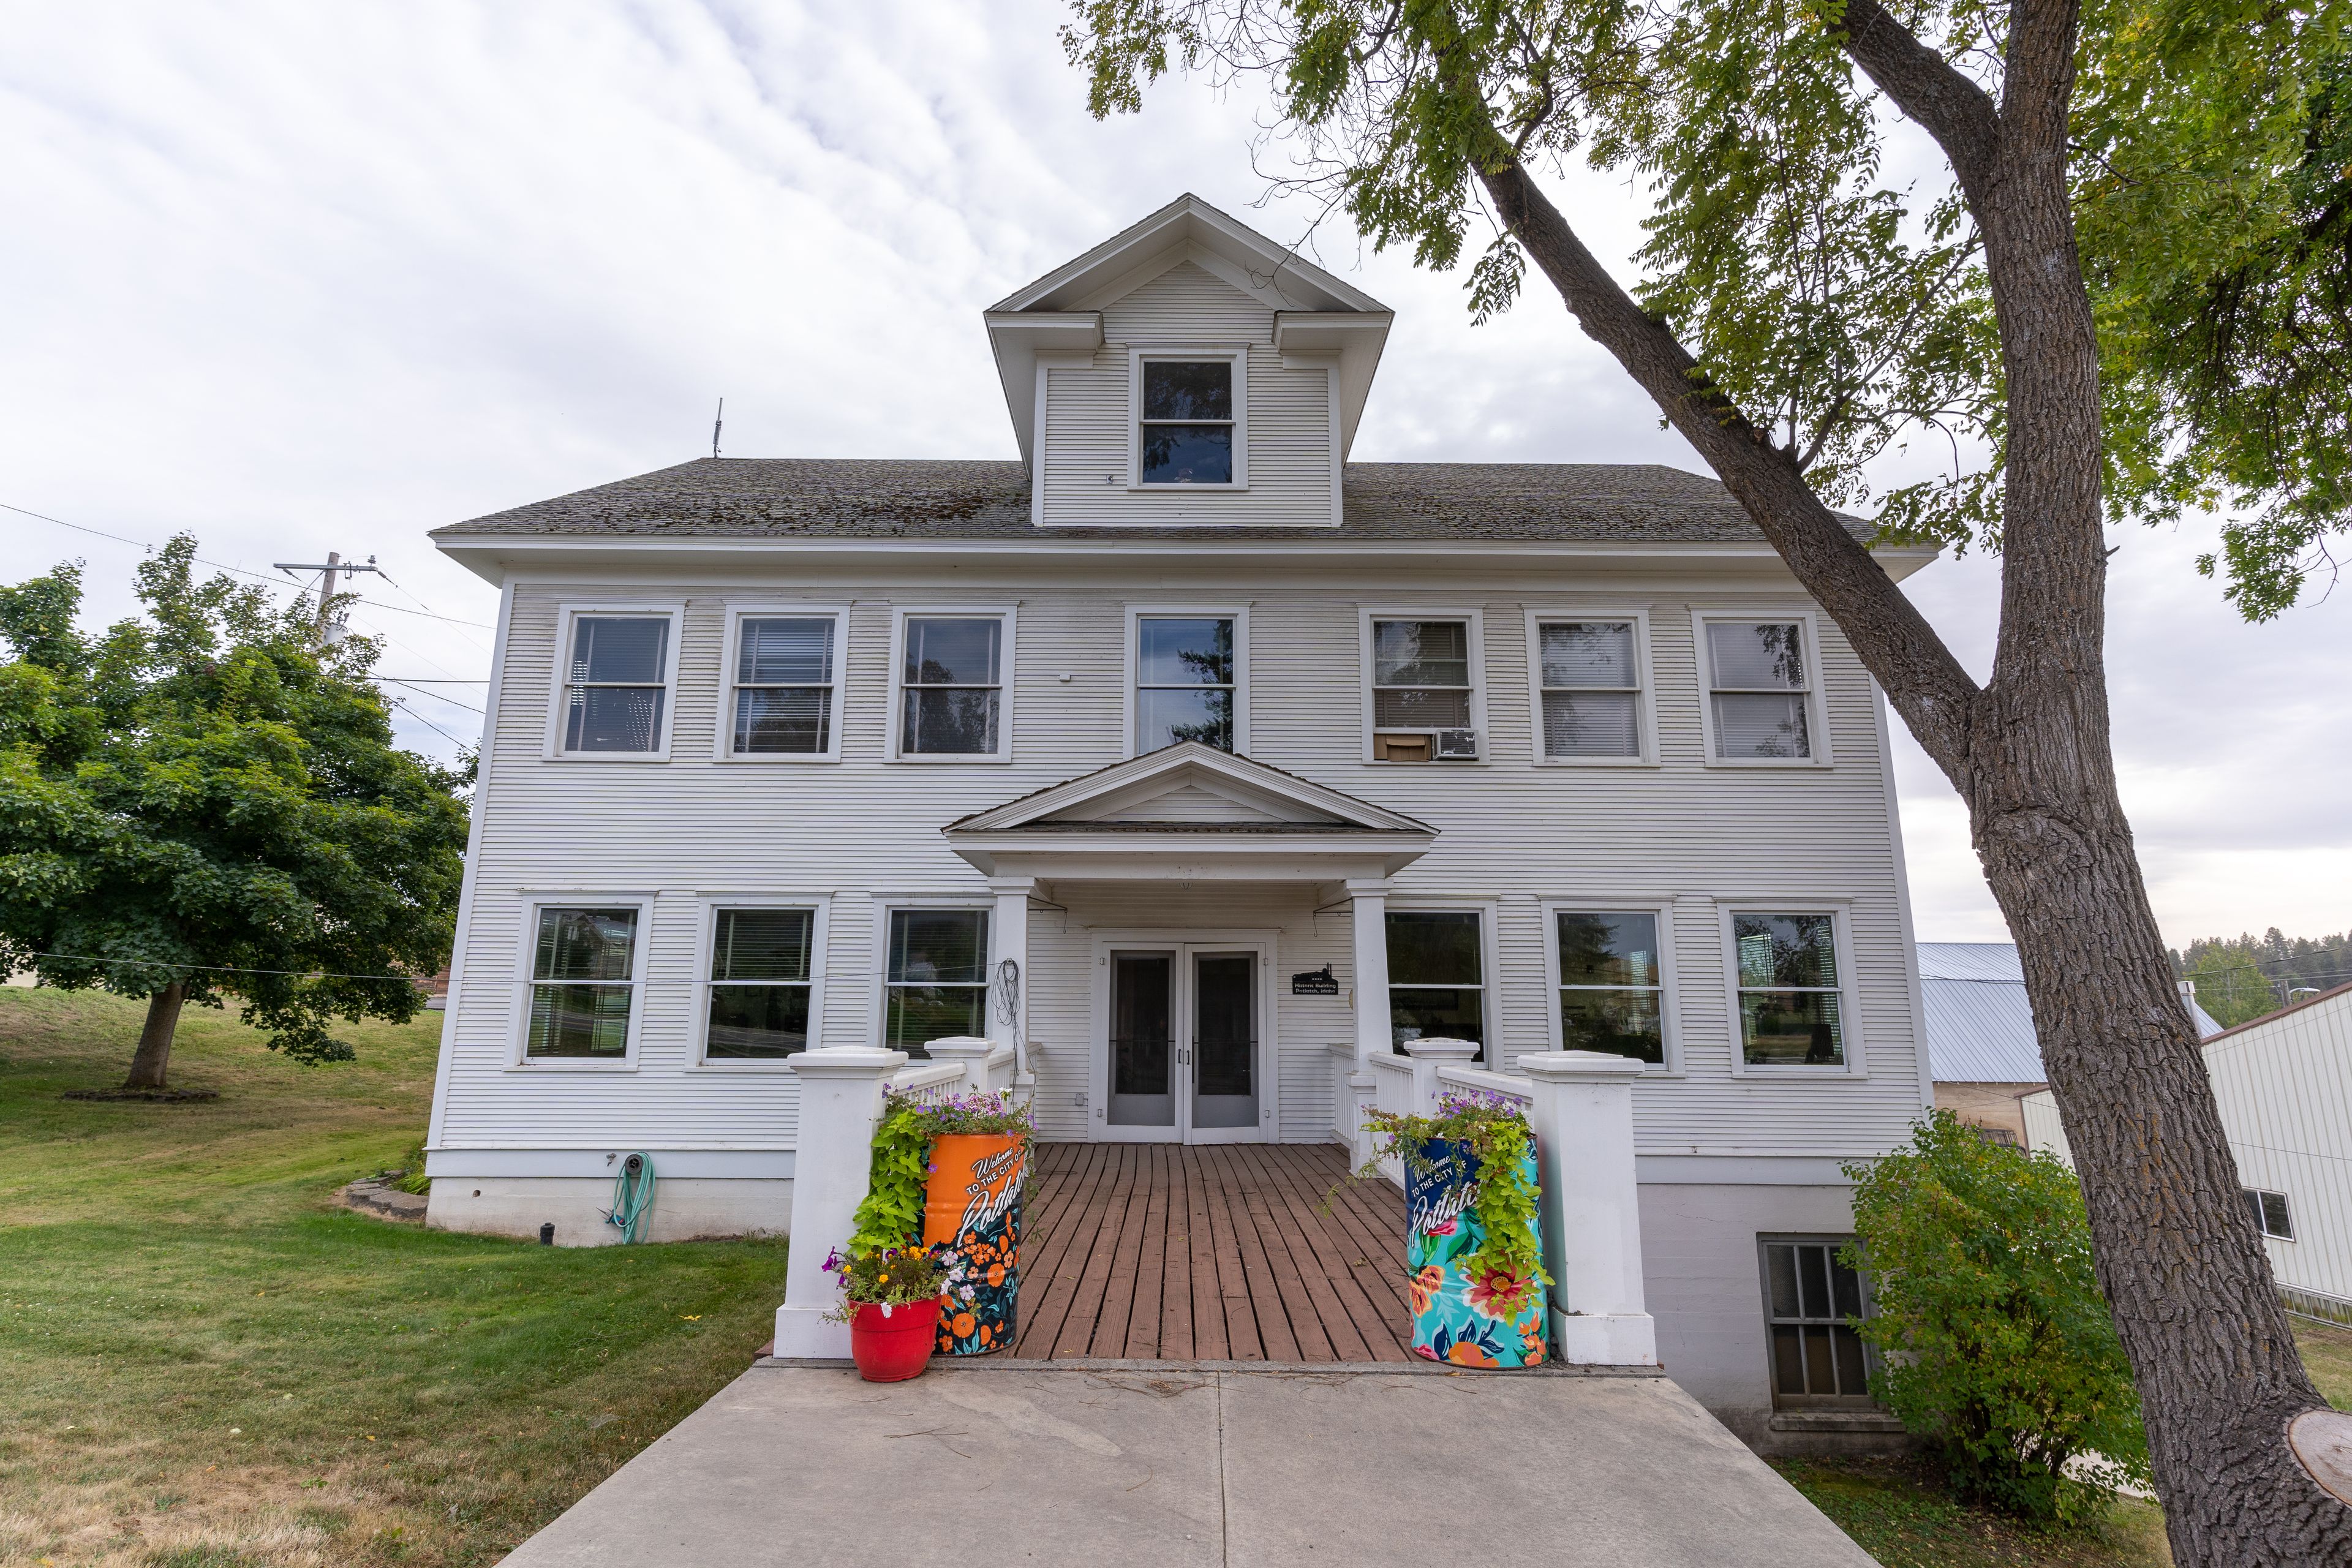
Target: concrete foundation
column 686, row 1208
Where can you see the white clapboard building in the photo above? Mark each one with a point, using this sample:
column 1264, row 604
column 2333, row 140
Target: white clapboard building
column 2284, row 1083
column 1198, row 771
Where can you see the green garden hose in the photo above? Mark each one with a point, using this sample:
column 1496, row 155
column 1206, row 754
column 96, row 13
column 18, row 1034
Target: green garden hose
column 633, row 1197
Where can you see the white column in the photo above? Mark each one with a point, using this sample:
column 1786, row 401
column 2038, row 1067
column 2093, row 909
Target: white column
column 841, row 1099
column 1429, row 1055
column 1583, row 1117
column 1369, row 904
column 1011, row 937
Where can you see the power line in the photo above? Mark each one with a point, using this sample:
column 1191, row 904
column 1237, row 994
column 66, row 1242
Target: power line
column 406, row 707
column 435, row 695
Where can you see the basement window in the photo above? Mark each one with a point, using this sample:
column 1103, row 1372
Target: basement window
column 2270, row 1212
column 1811, row 1301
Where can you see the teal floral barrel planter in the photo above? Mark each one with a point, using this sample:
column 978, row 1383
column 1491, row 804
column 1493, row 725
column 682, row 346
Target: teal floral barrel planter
column 1490, row 1319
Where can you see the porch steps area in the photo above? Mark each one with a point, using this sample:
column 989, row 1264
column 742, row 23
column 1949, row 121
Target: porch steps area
column 1230, row 1252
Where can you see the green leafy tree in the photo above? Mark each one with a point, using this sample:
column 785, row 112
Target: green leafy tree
column 2128, row 295
column 202, row 803
column 1996, row 1347
column 2231, row 985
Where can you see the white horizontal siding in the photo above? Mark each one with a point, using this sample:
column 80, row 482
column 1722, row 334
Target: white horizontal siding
column 1287, row 416
column 865, row 831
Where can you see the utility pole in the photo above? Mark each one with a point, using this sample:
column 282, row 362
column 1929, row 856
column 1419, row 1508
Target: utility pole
column 328, row 568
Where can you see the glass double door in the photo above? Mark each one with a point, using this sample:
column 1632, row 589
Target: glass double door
column 1185, row 1057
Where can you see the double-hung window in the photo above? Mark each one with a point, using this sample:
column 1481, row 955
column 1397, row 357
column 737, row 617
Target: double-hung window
column 1184, row 681
column 761, row 984
column 1612, row 985
column 1809, row 1300
column 1759, row 690
column 934, row 983
column 1589, row 685
column 1424, row 692
column 584, row 984
column 2270, row 1212
column 1436, row 977
column 785, row 679
column 951, row 686
column 1186, row 425
column 617, row 684
column 1790, row 994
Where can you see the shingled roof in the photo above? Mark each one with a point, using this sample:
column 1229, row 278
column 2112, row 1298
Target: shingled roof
column 828, row 498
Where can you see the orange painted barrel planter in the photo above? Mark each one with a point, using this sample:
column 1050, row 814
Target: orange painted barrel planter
column 971, row 1222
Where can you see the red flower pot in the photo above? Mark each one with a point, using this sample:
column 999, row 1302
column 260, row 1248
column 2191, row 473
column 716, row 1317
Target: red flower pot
column 891, row 1344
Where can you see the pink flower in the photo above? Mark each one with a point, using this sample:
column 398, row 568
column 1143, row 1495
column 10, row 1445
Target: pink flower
column 1440, row 1227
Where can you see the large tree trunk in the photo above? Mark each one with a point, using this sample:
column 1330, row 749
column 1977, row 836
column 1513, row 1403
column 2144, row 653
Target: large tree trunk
column 2184, row 1272
column 147, row 1068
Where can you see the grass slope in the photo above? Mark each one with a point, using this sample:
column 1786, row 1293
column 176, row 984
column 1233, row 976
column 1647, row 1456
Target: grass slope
column 204, row 1364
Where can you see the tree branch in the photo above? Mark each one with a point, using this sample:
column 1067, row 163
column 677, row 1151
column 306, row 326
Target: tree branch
column 1918, row 673
column 1953, row 110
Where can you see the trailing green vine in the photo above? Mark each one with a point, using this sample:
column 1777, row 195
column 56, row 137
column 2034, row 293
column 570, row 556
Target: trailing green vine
column 900, row 1171
column 1495, row 1130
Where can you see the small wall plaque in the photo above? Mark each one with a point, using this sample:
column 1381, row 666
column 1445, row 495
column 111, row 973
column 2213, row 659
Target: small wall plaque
column 1315, row 982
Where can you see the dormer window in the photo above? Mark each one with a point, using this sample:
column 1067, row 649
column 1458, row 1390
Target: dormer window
column 1187, row 429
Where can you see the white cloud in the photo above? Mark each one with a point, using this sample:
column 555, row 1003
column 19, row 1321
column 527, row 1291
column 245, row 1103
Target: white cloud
column 300, row 278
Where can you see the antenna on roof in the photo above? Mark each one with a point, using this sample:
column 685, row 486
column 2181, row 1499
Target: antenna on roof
column 718, row 424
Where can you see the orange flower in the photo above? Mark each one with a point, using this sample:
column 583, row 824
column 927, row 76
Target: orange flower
column 996, row 1274
column 1424, row 1286
column 963, row 1325
column 1468, row 1352
column 1531, row 1340
column 987, row 1332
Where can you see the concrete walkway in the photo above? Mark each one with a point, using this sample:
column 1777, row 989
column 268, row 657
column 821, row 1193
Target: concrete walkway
column 1138, row 1465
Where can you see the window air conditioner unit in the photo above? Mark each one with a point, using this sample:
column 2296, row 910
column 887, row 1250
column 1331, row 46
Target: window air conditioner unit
column 1458, row 745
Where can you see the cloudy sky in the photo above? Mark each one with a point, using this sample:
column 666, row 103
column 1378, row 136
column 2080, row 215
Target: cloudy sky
column 299, row 277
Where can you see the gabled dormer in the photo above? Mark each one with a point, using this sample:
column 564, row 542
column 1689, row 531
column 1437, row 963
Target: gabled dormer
column 1187, row 371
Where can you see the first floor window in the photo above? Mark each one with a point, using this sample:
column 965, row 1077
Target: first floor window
column 783, row 686
column 1591, row 689
column 936, row 983
column 1757, row 689
column 1612, row 993
column 1437, row 978
column 617, row 684
column 1183, row 681
column 1790, row 991
column 1810, row 1302
column 952, row 685
column 759, row 985
column 583, row 980
column 1422, row 692
column 2269, row 1210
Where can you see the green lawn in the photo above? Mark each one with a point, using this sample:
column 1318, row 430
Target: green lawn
column 1897, row 1510
column 204, row 1364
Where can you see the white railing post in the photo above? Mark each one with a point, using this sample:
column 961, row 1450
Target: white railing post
column 1583, row 1109
column 841, row 1100
column 968, row 1052
column 1428, row 1055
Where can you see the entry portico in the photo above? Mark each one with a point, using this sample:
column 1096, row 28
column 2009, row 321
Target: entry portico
column 1184, row 1015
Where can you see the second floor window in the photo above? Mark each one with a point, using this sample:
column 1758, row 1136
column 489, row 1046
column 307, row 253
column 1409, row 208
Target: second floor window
column 1758, row 689
column 1183, row 681
column 1185, row 436
column 615, row 684
column 1591, row 689
column 951, row 686
column 783, row 686
column 1422, row 693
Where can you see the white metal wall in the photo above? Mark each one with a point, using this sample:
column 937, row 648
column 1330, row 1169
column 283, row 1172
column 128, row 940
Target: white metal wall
column 865, row 831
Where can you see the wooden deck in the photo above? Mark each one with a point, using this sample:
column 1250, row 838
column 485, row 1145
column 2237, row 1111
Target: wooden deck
column 1220, row 1252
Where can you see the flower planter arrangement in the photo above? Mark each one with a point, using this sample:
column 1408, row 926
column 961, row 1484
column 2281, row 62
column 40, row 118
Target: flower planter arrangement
column 944, row 1191
column 891, row 1298
column 1474, row 1241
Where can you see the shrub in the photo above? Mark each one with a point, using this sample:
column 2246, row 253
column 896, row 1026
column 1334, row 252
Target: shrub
column 1996, row 1345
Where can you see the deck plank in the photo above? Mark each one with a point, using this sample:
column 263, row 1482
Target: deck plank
column 1362, row 1290
column 1210, row 1340
column 1144, row 1317
column 1110, row 1338
column 1261, row 1291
